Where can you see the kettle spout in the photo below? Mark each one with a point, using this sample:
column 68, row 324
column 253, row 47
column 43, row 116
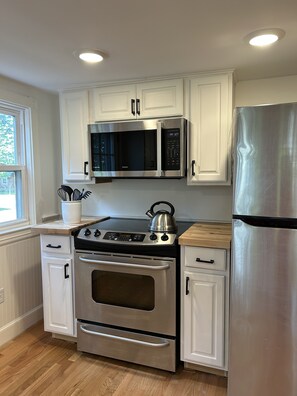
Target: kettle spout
column 150, row 214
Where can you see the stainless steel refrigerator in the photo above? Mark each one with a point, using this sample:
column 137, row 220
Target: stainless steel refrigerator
column 263, row 318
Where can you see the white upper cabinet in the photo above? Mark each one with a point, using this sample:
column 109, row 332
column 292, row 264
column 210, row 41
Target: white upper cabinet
column 210, row 116
column 113, row 103
column 144, row 100
column 74, row 107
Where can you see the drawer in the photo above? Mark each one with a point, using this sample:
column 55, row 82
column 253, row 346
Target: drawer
column 56, row 244
column 206, row 258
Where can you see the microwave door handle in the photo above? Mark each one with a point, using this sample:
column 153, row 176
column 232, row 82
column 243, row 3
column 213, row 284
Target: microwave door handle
column 159, row 148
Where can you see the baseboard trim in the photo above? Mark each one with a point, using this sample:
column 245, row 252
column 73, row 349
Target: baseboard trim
column 19, row 325
column 205, row 369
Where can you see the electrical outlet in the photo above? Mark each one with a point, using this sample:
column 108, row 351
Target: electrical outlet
column 1, row 295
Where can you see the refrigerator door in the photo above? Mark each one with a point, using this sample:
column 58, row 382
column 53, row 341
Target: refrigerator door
column 263, row 328
column 265, row 171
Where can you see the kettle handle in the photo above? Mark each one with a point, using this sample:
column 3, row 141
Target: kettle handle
column 163, row 202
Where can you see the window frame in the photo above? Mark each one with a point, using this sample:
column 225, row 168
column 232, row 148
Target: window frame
column 24, row 169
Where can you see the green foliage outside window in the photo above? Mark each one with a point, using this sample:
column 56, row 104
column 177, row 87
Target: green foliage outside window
column 7, row 150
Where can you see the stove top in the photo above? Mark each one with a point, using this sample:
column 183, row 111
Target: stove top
column 126, row 233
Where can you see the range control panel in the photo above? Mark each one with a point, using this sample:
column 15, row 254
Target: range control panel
column 126, row 238
column 123, row 237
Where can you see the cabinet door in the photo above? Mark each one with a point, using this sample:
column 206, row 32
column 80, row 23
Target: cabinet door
column 210, row 129
column 160, row 99
column 114, row 103
column 74, row 108
column 203, row 336
column 57, row 279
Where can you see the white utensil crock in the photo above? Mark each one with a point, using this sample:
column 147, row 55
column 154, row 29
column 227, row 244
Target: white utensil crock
column 71, row 212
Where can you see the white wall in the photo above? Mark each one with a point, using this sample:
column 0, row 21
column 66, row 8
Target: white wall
column 46, row 142
column 20, row 262
column 266, row 91
column 129, row 198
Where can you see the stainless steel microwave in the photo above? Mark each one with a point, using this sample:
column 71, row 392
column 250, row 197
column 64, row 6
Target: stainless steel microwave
column 148, row 148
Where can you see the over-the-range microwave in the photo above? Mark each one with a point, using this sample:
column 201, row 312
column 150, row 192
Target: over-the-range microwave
column 142, row 149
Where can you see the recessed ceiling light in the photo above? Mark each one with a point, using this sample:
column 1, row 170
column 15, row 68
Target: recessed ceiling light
column 90, row 56
column 261, row 38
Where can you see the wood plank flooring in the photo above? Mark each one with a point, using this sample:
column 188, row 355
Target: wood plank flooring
column 37, row 364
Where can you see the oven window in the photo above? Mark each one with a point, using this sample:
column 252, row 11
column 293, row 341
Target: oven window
column 124, row 290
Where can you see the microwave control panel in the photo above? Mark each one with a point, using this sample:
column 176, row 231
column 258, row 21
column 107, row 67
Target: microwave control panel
column 171, row 153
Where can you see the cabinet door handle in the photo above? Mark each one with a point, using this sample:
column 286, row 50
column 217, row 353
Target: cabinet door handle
column 133, row 106
column 138, row 106
column 53, row 246
column 204, row 261
column 187, row 285
column 85, row 168
column 193, row 167
column 66, row 275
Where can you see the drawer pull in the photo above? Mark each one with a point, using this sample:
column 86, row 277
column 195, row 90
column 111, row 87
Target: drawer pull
column 53, row 246
column 204, row 261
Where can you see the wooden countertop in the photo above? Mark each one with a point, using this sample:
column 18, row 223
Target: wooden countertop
column 216, row 235
column 59, row 228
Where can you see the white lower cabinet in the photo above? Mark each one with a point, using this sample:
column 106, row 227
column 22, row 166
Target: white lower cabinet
column 204, row 318
column 58, row 285
column 205, row 296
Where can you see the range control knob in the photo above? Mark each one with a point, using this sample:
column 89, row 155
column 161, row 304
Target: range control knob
column 97, row 233
column 164, row 237
column 153, row 237
column 87, row 232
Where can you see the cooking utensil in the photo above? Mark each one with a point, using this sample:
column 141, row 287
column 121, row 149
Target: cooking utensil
column 62, row 194
column 68, row 190
column 76, row 195
column 82, row 193
column 162, row 221
column 86, row 194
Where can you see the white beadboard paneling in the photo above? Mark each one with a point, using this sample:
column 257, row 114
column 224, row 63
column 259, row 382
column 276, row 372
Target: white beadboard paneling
column 20, row 276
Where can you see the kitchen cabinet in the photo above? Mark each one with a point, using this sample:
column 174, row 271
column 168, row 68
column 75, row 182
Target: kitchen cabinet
column 58, row 284
column 136, row 101
column 205, row 306
column 210, row 122
column 74, row 112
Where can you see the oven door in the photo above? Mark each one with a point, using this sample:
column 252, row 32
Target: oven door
column 134, row 292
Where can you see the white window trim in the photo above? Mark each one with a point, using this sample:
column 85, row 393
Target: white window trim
column 27, row 106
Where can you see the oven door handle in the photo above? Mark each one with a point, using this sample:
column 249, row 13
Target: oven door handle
column 126, row 265
column 133, row 341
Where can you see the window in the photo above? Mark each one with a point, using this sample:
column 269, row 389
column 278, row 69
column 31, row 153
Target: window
column 15, row 166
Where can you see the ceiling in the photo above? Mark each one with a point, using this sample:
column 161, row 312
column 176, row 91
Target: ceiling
column 143, row 38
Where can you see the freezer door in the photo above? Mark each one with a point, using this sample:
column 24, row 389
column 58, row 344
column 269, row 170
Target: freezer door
column 263, row 323
column 265, row 161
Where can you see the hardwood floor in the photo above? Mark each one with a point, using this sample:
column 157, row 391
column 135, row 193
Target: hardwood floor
column 37, row 364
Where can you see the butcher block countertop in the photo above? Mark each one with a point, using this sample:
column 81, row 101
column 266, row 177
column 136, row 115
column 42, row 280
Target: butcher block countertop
column 59, row 228
column 215, row 235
